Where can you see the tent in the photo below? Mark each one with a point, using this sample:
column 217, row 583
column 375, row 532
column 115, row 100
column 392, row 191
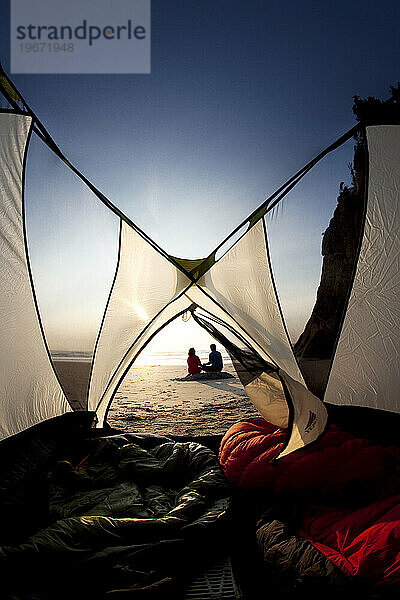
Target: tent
column 150, row 506
column 234, row 296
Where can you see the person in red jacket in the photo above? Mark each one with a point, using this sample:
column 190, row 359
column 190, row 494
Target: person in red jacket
column 194, row 363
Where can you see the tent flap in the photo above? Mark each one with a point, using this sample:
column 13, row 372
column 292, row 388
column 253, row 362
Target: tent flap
column 366, row 367
column 29, row 390
column 241, row 284
column 144, row 285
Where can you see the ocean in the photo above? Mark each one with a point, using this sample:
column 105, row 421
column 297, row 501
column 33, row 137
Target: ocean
column 144, row 359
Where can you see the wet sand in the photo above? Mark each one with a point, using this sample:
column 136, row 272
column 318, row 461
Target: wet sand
column 74, row 378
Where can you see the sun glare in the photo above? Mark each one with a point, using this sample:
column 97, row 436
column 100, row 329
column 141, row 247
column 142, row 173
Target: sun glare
column 141, row 313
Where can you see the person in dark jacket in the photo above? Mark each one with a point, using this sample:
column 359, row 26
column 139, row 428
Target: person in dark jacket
column 215, row 362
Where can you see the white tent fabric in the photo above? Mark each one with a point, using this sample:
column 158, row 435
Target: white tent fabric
column 309, row 417
column 199, row 296
column 241, row 283
column 366, row 367
column 149, row 291
column 235, row 290
column 267, row 395
column 173, row 309
column 29, row 390
column 145, row 283
column 239, row 290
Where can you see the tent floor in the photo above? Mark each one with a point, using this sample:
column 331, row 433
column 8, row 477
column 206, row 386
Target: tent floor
column 217, row 582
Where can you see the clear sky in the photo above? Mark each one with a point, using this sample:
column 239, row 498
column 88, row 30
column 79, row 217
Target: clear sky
column 241, row 95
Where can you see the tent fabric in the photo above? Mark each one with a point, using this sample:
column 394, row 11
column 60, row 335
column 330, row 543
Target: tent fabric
column 259, row 378
column 29, row 390
column 200, row 296
column 270, row 389
column 176, row 307
column 366, row 366
column 309, row 417
column 140, row 304
column 151, row 288
column 241, row 282
column 270, row 405
column 136, row 299
column 267, row 395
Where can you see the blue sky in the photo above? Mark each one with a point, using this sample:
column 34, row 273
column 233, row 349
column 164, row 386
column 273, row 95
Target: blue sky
column 241, row 95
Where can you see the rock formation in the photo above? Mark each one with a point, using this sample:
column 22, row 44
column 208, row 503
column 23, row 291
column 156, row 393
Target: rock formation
column 315, row 347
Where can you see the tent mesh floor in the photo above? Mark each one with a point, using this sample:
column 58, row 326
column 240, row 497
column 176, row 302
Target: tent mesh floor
column 217, row 583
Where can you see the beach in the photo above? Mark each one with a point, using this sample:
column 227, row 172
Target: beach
column 150, row 400
column 74, row 378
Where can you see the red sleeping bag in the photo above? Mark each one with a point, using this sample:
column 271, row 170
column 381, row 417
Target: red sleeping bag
column 351, row 486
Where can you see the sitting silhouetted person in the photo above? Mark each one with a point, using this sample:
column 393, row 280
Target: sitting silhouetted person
column 214, row 363
column 193, row 361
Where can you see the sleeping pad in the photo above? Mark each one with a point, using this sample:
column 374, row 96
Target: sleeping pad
column 125, row 520
column 342, row 494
